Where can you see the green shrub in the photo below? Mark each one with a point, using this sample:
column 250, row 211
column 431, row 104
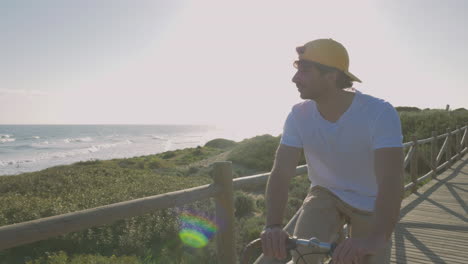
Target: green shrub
column 192, row 170
column 89, row 162
column 260, row 203
column 220, row 143
column 156, row 163
column 198, row 151
column 407, row 109
column 127, row 163
column 244, row 204
column 168, row 154
column 62, row 258
column 249, row 229
column 255, row 153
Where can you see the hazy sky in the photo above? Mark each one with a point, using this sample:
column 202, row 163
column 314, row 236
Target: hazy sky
column 217, row 62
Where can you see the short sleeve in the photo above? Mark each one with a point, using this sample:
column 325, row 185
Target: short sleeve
column 387, row 129
column 291, row 136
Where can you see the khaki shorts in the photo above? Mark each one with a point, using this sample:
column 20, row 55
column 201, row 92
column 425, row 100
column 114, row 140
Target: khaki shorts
column 323, row 216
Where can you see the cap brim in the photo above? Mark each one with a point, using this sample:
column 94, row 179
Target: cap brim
column 354, row 78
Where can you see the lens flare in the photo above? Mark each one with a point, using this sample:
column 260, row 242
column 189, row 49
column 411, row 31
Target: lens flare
column 195, row 230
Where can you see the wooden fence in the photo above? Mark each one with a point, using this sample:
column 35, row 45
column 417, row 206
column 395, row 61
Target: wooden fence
column 222, row 191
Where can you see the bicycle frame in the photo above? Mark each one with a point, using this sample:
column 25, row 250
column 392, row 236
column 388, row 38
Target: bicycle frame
column 291, row 244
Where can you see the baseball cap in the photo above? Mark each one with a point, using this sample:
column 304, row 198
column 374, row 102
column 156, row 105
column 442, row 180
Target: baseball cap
column 327, row 52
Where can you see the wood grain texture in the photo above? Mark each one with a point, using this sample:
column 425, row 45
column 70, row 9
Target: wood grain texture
column 433, row 227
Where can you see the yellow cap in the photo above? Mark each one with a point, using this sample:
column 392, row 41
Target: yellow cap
column 327, row 52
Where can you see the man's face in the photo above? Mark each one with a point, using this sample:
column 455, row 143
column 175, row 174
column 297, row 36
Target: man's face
column 309, row 81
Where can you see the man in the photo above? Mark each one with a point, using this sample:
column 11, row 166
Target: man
column 352, row 143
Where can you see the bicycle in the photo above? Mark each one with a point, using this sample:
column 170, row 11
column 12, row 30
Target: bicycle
column 292, row 243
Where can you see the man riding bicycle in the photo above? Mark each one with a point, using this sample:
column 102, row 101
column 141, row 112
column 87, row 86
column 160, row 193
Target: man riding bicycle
column 352, row 143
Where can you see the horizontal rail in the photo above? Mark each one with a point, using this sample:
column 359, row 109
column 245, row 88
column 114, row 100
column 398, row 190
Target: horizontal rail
column 255, row 182
column 438, row 169
column 427, row 140
column 32, row 231
column 422, row 141
column 408, row 144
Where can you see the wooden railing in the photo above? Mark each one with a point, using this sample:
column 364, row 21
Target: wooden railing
column 222, row 191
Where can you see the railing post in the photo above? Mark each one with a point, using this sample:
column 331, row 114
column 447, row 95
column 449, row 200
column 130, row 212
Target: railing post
column 458, row 143
column 466, row 140
column 434, row 154
column 225, row 237
column 448, row 150
column 414, row 165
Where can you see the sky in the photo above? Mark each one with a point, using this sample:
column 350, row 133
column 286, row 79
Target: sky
column 217, row 62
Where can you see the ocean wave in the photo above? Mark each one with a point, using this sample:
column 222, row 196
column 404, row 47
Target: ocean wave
column 156, row 137
column 92, row 149
column 4, row 140
column 186, row 142
column 168, row 145
column 62, row 155
column 15, row 162
column 36, row 137
column 5, row 136
column 40, row 144
column 83, row 139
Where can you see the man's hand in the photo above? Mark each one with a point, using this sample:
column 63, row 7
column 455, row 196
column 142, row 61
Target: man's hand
column 274, row 242
column 353, row 250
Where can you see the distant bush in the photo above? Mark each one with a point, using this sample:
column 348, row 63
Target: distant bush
column 220, row 143
column 156, row 163
column 255, row 153
column 89, row 162
column 421, row 124
column 168, row 154
column 407, row 109
column 198, row 151
column 127, row 163
column 192, row 170
column 244, row 204
column 62, row 258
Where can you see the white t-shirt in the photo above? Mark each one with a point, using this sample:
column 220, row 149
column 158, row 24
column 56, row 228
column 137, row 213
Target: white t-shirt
column 340, row 155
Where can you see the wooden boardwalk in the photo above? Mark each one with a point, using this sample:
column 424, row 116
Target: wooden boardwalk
column 433, row 225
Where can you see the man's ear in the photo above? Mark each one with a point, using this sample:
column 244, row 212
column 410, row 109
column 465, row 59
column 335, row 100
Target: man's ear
column 331, row 77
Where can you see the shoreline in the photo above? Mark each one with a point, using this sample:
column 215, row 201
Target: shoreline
column 71, row 163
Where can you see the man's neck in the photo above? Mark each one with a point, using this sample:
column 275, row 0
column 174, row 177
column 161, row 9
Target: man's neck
column 334, row 104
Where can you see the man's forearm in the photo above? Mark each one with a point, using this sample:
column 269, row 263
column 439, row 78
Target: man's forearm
column 276, row 198
column 387, row 209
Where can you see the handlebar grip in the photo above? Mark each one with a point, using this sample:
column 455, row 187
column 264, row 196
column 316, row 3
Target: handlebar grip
column 290, row 243
column 332, row 248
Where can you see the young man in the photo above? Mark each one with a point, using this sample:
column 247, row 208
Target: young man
column 353, row 146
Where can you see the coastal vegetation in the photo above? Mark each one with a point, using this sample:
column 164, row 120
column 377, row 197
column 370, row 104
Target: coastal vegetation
column 154, row 237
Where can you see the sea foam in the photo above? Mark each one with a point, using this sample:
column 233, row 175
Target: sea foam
column 83, row 139
column 4, row 140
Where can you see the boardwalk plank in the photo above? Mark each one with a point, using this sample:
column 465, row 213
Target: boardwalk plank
column 433, row 226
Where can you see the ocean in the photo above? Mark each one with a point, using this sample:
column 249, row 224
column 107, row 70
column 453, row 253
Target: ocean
column 28, row 148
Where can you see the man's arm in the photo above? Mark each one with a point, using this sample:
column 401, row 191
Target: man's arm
column 284, row 168
column 276, row 197
column 388, row 164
